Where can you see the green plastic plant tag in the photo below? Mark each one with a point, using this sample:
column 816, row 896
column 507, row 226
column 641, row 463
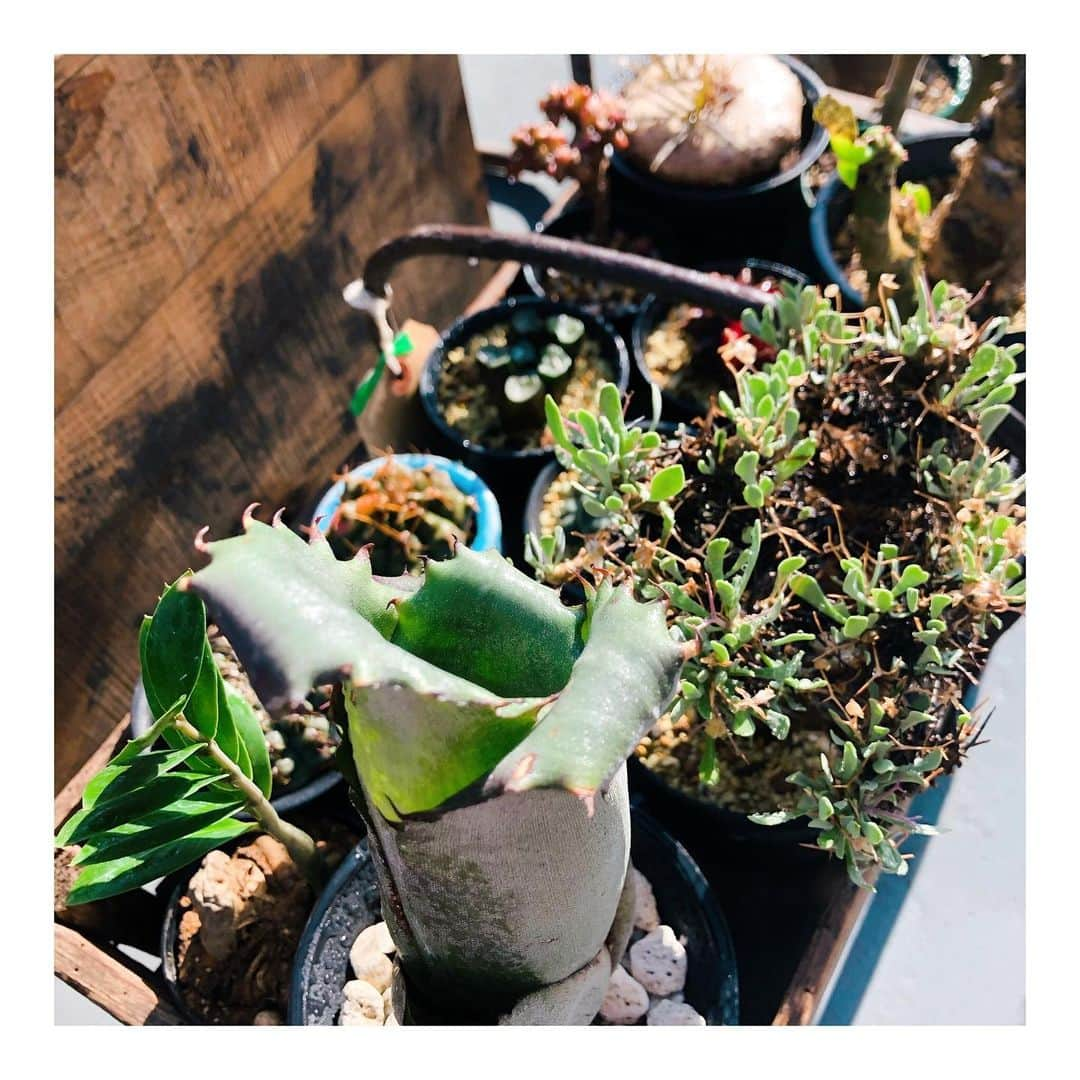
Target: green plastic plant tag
column 362, row 394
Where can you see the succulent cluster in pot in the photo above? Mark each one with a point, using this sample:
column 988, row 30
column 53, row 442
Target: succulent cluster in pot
column 493, row 386
column 404, row 513
column 598, row 119
column 839, row 542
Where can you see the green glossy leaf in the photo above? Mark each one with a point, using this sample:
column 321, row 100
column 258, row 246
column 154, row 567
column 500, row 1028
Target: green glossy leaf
column 251, row 735
column 118, row 778
column 102, row 880
column 178, row 819
column 173, row 651
column 114, row 808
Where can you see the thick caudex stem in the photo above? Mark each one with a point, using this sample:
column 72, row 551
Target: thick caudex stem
column 977, row 231
column 886, row 221
column 897, row 89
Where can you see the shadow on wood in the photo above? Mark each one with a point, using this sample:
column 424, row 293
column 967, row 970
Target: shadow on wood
column 208, row 212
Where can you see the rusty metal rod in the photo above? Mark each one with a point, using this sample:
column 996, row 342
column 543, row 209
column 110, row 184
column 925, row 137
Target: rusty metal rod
column 571, row 256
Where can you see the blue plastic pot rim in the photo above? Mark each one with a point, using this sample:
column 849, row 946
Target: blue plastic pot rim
column 488, row 519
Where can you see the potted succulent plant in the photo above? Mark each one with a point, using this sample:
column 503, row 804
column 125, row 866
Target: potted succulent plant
column 840, row 543
column 514, row 781
column 486, row 727
column 408, row 507
column 484, row 384
column 598, row 122
column 906, row 212
column 717, row 146
column 690, row 352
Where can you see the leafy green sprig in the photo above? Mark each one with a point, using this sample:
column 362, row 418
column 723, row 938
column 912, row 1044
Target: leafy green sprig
column 151, row 811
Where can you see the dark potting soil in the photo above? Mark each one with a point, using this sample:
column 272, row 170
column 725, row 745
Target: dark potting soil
column 692, row 353
column 241, row 917
column 593, row 293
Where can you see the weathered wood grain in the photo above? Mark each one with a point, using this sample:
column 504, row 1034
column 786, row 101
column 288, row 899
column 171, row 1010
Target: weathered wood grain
column 222, row 370
column 155, row 157
column 110, row 980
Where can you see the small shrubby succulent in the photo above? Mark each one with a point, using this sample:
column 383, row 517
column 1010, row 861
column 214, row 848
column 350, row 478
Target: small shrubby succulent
column 839, row 542
column 597, row 119
column 405, row 513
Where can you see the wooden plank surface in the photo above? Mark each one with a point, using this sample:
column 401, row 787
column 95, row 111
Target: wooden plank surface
column 206, row 224
column 804, row 996
column 110, row 980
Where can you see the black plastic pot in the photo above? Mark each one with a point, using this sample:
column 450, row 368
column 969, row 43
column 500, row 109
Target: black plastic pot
column 929, row 157
column 655, row 308
column 686, row 903
column 718, row 220
column 737, row 829
column 288, row 801
column 498, row 464
column 575, row 223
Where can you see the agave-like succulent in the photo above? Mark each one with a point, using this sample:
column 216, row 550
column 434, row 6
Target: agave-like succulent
column 486, row 734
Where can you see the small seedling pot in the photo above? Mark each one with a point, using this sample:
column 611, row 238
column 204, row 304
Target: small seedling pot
column 509, row 466
column 655, row 308
column 574, row 223
column 684, row 898
column 487, row 530
column 929, row 157
column 714, row 218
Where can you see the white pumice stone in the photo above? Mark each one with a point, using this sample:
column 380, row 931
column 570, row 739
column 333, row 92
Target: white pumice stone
column 658, row 962
column 362, row 1005
column 646, row 917
column 668, row 1013
column 375, row 938
column 372, row 967
column 267, row 1018
column 625, row 1000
